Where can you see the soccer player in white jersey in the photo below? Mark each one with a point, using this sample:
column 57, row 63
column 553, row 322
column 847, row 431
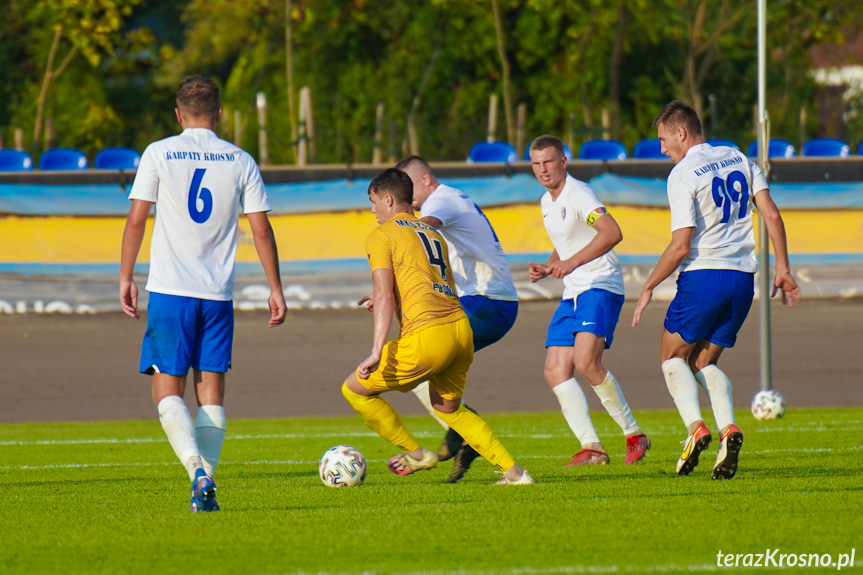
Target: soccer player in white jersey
column 199, row 184
column 583, row 234
column 711, row 192
column 483, row 280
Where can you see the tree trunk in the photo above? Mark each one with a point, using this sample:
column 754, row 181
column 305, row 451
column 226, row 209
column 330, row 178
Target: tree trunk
column 689, row 83
column 579, row 66
column 289, row 69
column 614, row 72
column 412, row 136
column 46, row 82
column 504, row 64
column 43, row 93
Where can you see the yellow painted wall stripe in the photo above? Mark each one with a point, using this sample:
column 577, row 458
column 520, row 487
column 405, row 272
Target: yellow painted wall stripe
column 342, row 234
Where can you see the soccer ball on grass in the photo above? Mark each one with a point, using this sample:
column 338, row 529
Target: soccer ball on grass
column 342, row 466
column 768, row 404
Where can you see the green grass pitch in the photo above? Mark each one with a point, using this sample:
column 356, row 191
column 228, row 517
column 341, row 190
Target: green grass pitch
column 111, row 498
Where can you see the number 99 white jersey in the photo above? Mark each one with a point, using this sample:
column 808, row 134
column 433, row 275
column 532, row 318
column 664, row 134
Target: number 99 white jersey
column 199, row 184
column 711, row 190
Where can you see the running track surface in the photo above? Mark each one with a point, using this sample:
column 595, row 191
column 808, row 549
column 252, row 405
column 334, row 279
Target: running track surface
column 84, row 367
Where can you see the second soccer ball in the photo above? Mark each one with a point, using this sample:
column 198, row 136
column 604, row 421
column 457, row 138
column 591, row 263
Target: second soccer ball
column 768, row 404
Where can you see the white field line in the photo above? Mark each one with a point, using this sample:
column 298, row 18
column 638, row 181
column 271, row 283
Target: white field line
column 655, row 431
column 314, row 462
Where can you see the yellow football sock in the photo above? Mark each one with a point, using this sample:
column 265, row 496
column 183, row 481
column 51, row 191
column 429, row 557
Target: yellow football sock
column 479, row 435
column 381, row 418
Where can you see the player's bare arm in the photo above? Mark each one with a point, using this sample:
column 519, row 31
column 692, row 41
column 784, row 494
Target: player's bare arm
column 383, row 308
column 607, row 236
column 265, row 245
column 133, row 236
column 432, row 221
column 668, row 262
column 783, row 279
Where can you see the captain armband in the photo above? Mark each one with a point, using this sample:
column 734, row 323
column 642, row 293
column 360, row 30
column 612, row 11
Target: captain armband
column 595, row 215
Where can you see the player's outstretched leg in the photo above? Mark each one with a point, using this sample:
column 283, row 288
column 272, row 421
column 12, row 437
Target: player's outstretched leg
column 718, row 387
column 379, row 415
column 573, row 405
column 683, row 388
column 465, row 454
column 210, row 428
column 479, row 435
column 615, row 404
column 452, row 441
column 177, row 423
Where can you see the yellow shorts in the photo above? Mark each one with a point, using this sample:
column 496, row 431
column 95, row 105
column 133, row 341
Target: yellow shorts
column 440, row 355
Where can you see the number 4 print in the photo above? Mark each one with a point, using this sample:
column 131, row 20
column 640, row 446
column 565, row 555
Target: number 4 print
column 735, row 189
column 206, row 197
column 435, row 254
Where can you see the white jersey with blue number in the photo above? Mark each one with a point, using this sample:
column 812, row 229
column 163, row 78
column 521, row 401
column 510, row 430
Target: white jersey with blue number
column 711, row 190
column 199, row 184
column 565, row 222
column 476, row 258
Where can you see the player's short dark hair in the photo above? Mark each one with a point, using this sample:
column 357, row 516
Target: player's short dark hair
column 199, row 96
column 546, row 141
column 676, row 114
column 404, row 163
column 394, row 182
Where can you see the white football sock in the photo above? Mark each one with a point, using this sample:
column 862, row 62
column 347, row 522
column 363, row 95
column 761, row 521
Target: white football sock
column 718, row 387
column 615, row 404
column 177, row 423
column 683, row 389
column 210, row 433
column 422, row 393
column 573, row 404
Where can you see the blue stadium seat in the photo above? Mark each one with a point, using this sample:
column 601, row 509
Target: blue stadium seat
column 117, row 159
column 826, row 147
column 566, row 152
column 777, row 148
column 15, row 161
column 487, row 152
column 648, row 149
column 860, row 149
column 63, row 159
column 723, row 142
column 602, row 150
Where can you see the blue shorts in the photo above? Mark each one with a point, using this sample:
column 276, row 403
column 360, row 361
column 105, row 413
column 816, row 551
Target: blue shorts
column 184, row 332
column 595, row 311
column 710, row 305
column 490, row 319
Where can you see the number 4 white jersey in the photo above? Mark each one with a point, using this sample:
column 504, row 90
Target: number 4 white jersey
column 711, row 190
column 199, row 184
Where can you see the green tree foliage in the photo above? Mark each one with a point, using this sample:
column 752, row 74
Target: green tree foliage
column 582, row 68
column 86, row 27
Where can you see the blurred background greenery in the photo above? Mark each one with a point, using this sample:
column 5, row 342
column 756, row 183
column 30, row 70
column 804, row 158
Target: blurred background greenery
column 97, row 73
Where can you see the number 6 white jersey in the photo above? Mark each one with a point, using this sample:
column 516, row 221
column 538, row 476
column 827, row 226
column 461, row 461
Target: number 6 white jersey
column 711, row 190
column 199, row 184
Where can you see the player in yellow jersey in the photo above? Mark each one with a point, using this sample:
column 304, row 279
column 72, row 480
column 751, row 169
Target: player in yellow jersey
column 411, row 279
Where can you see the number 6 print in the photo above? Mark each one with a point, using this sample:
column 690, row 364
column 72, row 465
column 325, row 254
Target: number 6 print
column 206, row 197
column 734, row 188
